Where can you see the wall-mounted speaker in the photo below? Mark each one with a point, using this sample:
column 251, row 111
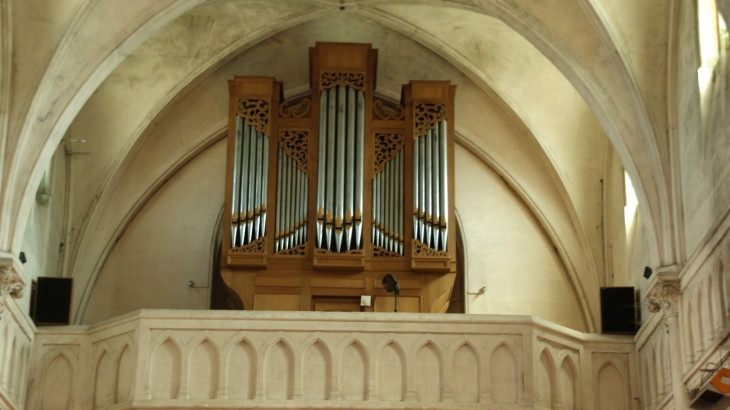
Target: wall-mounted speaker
column 619, row 312
column 50, row 301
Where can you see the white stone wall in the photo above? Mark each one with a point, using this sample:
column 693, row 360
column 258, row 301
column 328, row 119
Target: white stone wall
column 164, row 359
column 16, row 341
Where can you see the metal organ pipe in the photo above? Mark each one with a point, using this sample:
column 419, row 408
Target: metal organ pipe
column 250, row 178
column 340, row 169
column 388, row 205
column 291, row 202
column 430, row 188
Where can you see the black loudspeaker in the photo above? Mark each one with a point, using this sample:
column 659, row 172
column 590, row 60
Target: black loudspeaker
column 619, row 314
column 50, row 302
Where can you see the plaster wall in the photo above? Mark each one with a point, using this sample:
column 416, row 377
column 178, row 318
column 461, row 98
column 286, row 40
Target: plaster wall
column 704, row 154
column 44, row 239
column 508, row 252
column 167, row 244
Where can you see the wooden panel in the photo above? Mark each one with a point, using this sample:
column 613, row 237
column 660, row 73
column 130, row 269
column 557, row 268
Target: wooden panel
column 406, row 304
column 431, row 264
column 343, row 56
column 246, row 260
column 410, row 283
column 337, row 283
column 338, row 262
column 430, row 90
column 253, row 87
column 280, row 282
column 336, row 304
column 277, row 302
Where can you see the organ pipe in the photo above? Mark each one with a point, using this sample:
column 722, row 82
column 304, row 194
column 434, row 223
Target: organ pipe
column 340, row 169
column 430, row 188
column 388, row 205
column 292, row 185
column 250, row 178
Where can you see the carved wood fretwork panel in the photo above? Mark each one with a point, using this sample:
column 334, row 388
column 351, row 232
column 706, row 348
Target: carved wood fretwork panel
column 322, row 251
column 301, row 111
column 386, row 146
column 298, row 250
column 427, row 116
column 256, row 113
column 382, row 113
column 420, row 249
column 257, row 246
column 295, row 145
column 332, row 79
column 379, row 252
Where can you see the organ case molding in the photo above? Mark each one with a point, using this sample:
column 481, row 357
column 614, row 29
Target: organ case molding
column 373, row 137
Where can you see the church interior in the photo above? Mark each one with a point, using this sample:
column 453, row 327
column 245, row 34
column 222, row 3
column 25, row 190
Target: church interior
column 371, row 204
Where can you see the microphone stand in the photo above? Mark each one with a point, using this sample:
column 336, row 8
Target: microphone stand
column 397, row 292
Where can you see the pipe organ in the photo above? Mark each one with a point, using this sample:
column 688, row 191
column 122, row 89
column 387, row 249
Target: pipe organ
column 328, row 192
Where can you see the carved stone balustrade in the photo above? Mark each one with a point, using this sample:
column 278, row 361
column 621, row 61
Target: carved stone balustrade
column 217, row 359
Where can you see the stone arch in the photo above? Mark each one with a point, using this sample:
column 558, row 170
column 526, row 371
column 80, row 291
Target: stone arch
column 354, row 373
column 569, row 393
column 241, row 358
column 102, row 376
column 546, row 379
column 428, row 371
column 612, row 394
column 54, row 392
column 317, row 374
column 467, row 371
column 203, row 360
column 506, row 388
column 391, row 361
column 124, row 375
column 279, row 354
column 171, row 361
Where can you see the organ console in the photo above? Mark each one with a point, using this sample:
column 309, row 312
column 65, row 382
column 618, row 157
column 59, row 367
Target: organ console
column 328, row 192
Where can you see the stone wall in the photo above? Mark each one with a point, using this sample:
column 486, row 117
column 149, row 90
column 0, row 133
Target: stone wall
column 164, row 359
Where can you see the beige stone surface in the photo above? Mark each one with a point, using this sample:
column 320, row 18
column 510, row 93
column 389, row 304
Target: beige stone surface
column 556, row 99
column 327, row 360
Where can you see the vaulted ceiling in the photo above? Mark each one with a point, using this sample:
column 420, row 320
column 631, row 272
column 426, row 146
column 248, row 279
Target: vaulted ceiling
column 569, row 79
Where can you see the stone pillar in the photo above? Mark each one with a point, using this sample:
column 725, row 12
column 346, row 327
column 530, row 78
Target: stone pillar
column 664, row 296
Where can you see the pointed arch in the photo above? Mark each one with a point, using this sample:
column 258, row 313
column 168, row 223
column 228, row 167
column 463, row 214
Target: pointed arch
column 59, row 365
column 241, row 362
column 504, row 371
column 611, row 378
column 354, row 370
column 124, row 375
column 569, row 393
column 428, row 372
column 316, row 370
column 391, row 362
column 102, row 377
column 279, row 368
column 165, row 366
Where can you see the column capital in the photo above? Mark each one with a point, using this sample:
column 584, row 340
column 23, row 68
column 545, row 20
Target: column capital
column 12, row 282
column 663, row 294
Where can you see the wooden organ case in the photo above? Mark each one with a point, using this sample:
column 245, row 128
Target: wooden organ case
column 327, row 193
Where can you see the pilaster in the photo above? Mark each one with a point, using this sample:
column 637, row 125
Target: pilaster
column 664, row 295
